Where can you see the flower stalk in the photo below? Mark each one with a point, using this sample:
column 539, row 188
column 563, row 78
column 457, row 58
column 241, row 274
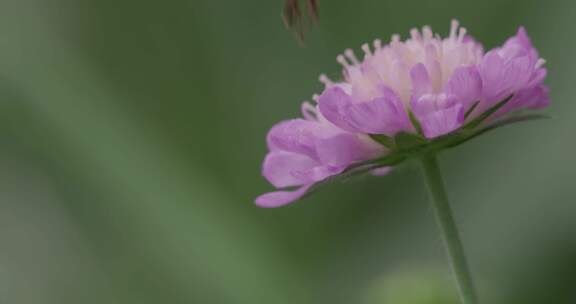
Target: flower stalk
column 450, row 234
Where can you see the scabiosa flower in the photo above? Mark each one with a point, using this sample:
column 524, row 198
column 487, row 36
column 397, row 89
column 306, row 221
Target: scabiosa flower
column 403, row 100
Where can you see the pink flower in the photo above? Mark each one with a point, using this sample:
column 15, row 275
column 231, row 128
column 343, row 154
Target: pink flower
column 426, row 86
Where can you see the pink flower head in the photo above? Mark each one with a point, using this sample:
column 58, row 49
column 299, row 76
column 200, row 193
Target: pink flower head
column 426, row 86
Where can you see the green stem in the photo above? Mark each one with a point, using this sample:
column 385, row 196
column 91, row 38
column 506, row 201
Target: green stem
column 449, row 230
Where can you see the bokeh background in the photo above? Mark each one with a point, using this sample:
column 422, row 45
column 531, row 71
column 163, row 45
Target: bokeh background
column 131, row 136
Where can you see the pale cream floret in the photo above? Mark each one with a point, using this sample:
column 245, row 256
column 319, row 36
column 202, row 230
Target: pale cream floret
column 391, row 64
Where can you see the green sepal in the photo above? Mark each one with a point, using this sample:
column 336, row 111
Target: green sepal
column 472, row 108
column 406, row 141
column 415, row 122
column 482, row 117
column 385, row 140
column 466, row 136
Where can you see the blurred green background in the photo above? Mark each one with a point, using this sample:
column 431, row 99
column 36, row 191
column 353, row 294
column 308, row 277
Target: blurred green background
column 131, row 136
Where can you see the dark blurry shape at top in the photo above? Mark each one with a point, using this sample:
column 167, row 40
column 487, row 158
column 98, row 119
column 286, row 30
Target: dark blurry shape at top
column 299, row 19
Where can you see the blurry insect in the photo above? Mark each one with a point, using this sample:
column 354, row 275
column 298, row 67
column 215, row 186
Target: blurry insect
column 295, row 20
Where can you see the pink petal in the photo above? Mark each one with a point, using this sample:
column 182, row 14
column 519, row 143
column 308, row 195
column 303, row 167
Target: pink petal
column 381, row 115
column 465, row 85
column 533, row 98
column 316, row 174
column 537, row 77
column 339, row 150
column 520, row 42
column 331, row 104
column 421, row 82
column 443, row 122
column 296, row 135
column 429, row 103
column 283, row 169
column 280, row 198
column 540, row 98
column 502, row 77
